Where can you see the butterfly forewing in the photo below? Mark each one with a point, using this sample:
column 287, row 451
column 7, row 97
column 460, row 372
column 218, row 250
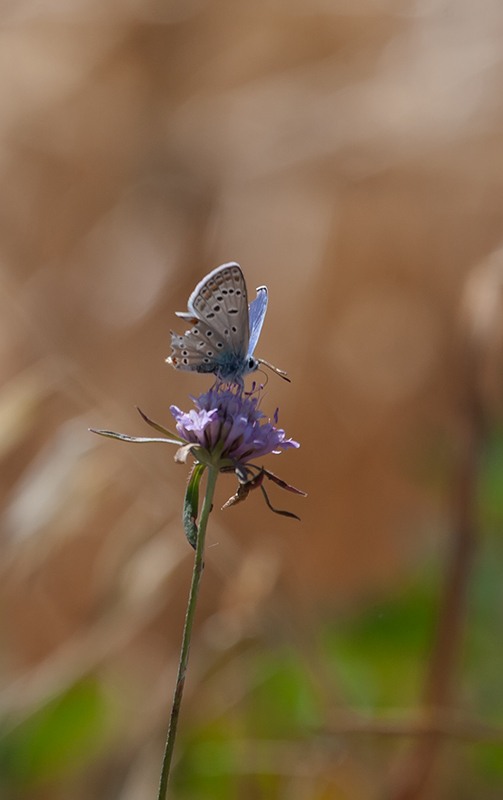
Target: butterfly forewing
column 220, row 300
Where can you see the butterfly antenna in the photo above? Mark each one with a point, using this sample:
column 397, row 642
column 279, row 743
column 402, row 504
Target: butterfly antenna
column 280, row 372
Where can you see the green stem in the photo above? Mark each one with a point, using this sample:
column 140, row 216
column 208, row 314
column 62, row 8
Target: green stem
column 187, row 631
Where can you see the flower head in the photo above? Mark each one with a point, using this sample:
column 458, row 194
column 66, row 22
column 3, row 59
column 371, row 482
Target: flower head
column 230, row 419
column 224, row 431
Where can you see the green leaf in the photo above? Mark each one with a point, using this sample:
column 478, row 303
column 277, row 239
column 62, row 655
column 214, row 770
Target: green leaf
column 191, row 504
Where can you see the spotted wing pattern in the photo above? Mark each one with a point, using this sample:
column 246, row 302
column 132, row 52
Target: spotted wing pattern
column 218, row 312
column 220, row 299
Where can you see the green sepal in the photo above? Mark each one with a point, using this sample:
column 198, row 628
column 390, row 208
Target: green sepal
column 158, row 427
column 191, row 504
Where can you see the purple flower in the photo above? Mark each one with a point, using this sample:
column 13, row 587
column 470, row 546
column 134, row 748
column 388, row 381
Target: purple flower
column 230, row 419
column 223, row 432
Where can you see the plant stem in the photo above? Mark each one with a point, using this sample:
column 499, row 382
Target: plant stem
column 187, row 632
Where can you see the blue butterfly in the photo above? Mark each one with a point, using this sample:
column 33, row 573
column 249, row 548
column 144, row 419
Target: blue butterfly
column 225, row 331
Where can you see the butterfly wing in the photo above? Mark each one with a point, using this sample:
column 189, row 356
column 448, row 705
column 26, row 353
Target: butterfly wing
column 193, row 352
column 220, row 300
column 218, row 311
column 258, row 307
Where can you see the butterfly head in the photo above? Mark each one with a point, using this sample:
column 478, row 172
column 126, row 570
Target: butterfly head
column 252, row 364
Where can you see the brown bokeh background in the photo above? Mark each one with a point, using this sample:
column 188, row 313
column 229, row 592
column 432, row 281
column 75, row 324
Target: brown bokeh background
column 350, row 156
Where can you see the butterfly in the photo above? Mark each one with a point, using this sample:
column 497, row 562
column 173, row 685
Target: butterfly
column 225, row 329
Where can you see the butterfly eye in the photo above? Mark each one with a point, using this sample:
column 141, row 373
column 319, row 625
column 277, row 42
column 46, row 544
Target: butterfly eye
column 251, row 363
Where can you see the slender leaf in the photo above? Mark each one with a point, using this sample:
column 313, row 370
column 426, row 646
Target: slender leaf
column 191, row 504
column 125, row 438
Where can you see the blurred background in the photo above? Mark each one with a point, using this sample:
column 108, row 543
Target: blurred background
column 348, row 154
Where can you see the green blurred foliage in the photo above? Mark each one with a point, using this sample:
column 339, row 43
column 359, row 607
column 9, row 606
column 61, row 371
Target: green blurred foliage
column 377, row 657
column 483, row 662
column 379, row 654
column 283, row 702
column 487, row 760
column 491, row 483
column 56, row 740
column 237, row 749
column 207, row 767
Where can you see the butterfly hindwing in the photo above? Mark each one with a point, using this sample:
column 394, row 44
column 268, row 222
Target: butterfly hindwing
column 194, row 353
